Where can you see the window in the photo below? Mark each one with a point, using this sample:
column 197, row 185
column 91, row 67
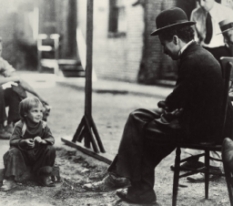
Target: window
column 117, row 21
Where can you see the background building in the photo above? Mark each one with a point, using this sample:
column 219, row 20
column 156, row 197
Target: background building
column 122, row 46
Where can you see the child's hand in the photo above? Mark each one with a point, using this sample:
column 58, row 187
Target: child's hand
column 30, row 143
column 39, row 140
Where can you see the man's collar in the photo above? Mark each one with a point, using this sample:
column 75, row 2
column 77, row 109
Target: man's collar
column 185, row 46
column 213, row 10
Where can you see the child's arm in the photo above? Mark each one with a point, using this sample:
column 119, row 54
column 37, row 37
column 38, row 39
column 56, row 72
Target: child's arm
column 16, row 139
column 47, row 137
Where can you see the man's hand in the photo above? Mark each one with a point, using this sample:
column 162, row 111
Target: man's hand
column 162, row 105
column 9, row 84
column 177, row 112
column 10, row 79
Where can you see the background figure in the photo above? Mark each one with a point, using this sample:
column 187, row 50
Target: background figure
column 227, row 3
column 207, row 17
column 12, row 90
column 226, row 27
column 227, row 31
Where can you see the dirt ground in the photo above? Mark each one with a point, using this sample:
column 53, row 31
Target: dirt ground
column 109, row 112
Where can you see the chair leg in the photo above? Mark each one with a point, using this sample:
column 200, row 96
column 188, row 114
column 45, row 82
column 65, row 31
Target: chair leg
column 229, row 183
column 207, row 172
column 176, row 176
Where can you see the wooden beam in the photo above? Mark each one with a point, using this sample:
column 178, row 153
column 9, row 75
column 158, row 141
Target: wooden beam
column 87, row 151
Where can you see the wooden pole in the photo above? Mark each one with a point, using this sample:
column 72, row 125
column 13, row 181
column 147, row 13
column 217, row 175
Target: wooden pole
column 87, row 128
column 89, row 42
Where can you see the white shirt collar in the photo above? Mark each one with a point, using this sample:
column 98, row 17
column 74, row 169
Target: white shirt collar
column 185, row 46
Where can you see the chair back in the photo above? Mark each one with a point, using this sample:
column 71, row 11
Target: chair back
column 227, row 64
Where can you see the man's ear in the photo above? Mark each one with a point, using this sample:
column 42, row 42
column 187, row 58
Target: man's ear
column 175, row 40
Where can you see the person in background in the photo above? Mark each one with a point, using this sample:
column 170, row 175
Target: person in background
column 207, row 17
column 227, row 148
column 227, row 3
column 31, row 146
column 226, row 27
column 12, row 90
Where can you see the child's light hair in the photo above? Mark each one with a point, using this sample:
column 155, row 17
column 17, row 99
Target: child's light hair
column 27, row 104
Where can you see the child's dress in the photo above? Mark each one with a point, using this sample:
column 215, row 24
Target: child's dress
column 20, row 160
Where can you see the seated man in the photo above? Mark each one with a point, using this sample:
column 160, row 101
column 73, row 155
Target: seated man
column 191, row 113
column 12, row 91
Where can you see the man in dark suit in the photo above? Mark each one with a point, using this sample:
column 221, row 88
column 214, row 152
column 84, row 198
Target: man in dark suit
column 192, row 112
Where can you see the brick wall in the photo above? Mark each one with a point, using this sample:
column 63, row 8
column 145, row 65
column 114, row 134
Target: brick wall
column 116, row 58
column 135, row 57
column 155, row 64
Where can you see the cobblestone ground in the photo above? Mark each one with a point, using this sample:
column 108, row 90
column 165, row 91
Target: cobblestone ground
column 109, row 112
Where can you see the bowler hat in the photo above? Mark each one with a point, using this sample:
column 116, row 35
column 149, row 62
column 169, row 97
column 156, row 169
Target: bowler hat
column 226, row 25
column 171, row 18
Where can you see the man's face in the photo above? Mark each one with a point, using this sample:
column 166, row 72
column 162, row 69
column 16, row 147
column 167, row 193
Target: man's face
column 206, row 4
column 170, row 48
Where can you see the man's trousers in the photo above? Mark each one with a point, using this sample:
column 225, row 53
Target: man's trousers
column 9, row 98
column 139, row 151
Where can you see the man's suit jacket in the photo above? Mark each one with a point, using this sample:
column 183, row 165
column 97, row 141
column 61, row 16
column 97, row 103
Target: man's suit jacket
column 199, row 91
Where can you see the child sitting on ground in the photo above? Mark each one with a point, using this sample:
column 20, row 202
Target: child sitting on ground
column 30, row 147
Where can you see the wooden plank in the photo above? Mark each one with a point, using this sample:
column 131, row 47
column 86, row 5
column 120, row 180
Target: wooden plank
column 87, row 151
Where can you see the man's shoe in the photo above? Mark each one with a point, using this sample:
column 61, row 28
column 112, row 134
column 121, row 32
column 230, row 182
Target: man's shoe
column 4, row 134
column 227, row 153
column 189, row 165
column 108, row 183
column 139, row 197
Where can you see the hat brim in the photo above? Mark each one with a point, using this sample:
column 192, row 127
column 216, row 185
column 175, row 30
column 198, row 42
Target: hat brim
column 157, row 31
column 225, row 31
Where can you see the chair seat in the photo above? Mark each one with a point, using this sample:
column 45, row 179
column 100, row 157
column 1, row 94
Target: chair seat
column 201, row 146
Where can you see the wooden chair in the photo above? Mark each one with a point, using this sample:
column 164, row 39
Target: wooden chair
column 206, row 147
column 229, row 177
column 52, row 50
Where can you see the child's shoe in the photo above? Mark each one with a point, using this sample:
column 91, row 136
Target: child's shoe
column 8, row 184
